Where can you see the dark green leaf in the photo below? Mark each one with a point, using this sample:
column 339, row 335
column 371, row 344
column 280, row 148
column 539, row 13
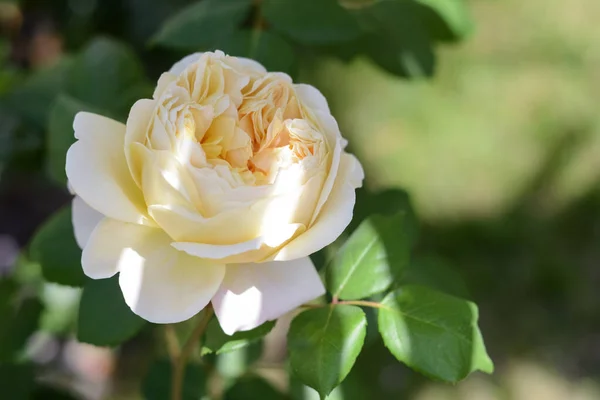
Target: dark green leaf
column 217, row 341
column 255, row 387
column 371, row 259
column 50, row 393
column 108, row 75
column 16, row 381
column 433, row 333
column 398, row 40
column 55, row 249
column 8, row 288
column 32, row 100
column 61, row 135
column 317, row 22
column 104, row 318
column 449, row 19
column 323, row 345
column 157, row 383
column 202, row 24
column 17, row 326
column 272, row 51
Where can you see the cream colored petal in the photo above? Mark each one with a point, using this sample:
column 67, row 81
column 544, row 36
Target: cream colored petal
column 336, row 155
column 227, row 228
column 85, row 219
column 252, row 294
column 186, row 61
column 252, row 66
column 167, row 182
column 159, row 283
column 138, row 121
column 247, row 64
column 249, row 251
column 163, row 285
column 98, row 172
column 163, row 83
column 104, row 253
column 312, row 97
column 335, row 215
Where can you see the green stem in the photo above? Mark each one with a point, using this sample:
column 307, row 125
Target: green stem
column 363, row 303
column 336, row 302
column 188, row 348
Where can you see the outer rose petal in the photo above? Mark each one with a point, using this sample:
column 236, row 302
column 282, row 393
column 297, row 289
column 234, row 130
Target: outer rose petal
column 138, row 120
column 252, row 294
column 159, row 283
column 98, row 172
column 182, row 64
column 85, row 219
column 312, row 97
column 335, row 215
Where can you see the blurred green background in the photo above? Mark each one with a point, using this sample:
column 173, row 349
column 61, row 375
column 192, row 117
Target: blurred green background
column 499, row 151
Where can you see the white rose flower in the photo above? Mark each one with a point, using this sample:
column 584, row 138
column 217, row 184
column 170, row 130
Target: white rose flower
column 216, row 190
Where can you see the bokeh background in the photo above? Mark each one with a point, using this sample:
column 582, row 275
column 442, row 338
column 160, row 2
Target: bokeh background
column 499, row 151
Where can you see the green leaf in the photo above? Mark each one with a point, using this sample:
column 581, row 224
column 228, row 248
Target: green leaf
column 269, row 49
column 255, row 387
column 398, row 40
column 311, row 22
column 452, row 19
column 371, row 259
column 323, row 345
column 108, row 75
column 16, row 381
column 104, row 318
column 157, row 383
column 55, row 249
column 202, row 24
column 32, row 100
column 433, row 333
column 216, row 341
column 60, row 134
column 17, row 326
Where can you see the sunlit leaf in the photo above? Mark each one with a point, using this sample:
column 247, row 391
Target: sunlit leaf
column 433, row 333
column 371, row 259
column 323, row 345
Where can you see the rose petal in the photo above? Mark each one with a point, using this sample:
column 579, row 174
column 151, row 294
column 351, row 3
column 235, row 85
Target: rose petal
column 182, row 64
column 312, row 97
column 335, row 215
column 252, row 294
column 244, row 252
column 163, row 82
column 246, row 63
column 85, row 219
column 159, row 283
column 98, row 172
column 139, row 118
